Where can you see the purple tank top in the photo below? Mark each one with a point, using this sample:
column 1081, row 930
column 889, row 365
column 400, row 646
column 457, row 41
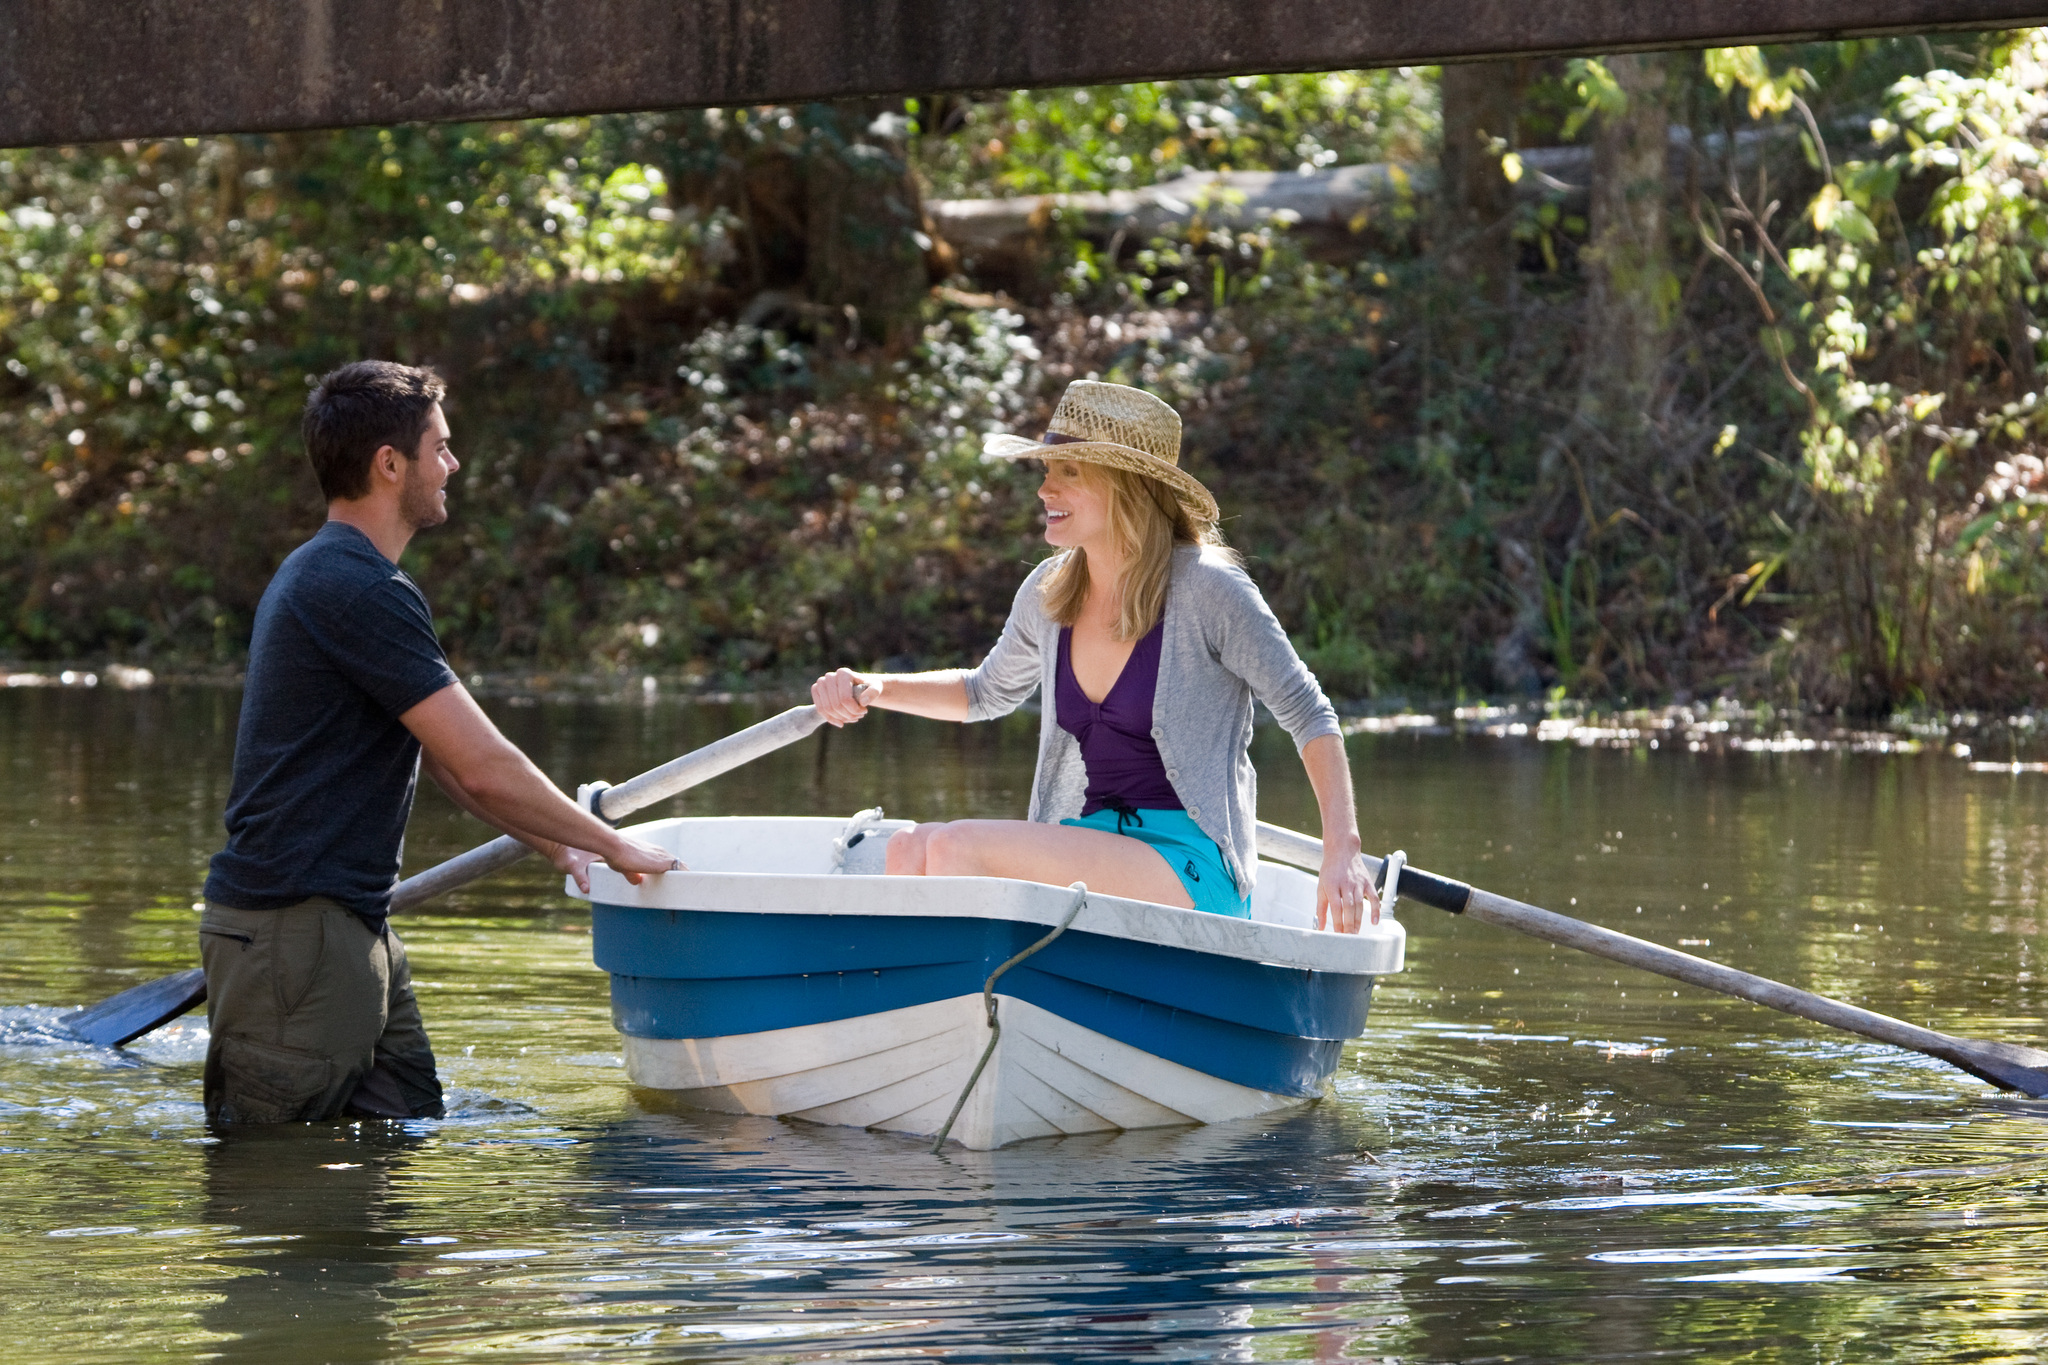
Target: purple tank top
column 1115, row 735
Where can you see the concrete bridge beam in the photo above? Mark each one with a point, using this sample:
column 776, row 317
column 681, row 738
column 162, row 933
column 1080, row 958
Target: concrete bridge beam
column 89, row 70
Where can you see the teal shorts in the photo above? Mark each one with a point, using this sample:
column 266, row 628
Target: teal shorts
column 1191, row 854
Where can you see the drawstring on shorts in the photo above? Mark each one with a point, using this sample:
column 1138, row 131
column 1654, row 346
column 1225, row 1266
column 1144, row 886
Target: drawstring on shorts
column 1126, row 813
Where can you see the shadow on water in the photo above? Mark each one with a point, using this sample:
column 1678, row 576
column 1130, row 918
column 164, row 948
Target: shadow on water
column 1529, row 1157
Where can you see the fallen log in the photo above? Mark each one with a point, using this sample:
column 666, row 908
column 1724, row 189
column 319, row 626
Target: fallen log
column 1332, row 206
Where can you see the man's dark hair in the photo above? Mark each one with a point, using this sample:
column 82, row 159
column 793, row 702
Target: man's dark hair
column 360, row 408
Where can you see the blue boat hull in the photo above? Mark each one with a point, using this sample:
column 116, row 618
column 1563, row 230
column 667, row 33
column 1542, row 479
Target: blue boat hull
column 784, row 974
column 697, row 974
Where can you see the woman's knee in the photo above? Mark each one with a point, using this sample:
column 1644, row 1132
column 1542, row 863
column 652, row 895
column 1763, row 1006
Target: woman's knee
column 941, row 849
column 904, row 854
column 956, row 849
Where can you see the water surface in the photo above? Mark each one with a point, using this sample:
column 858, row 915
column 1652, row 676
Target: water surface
column 1530, row 1156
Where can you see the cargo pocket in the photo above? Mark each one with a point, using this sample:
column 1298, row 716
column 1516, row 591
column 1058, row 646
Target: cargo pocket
column 262, row 1083
column 297, row 948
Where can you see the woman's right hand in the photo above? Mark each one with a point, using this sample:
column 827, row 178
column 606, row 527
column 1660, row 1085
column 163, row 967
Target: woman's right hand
column 843, row 696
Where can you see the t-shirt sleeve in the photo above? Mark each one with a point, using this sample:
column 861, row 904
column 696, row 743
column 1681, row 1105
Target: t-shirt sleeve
column 382, row 640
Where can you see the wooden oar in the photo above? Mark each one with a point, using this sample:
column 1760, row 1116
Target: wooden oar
column 140, row 1009
column 2006, row 1065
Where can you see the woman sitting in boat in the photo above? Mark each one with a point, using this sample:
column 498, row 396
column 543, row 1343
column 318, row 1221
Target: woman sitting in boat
column 1149, row 642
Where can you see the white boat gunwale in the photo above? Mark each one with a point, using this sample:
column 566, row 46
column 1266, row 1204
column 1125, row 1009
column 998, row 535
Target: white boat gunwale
column 1375, row 951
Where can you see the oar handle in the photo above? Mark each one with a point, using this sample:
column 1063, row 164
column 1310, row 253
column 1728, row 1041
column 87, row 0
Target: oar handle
column 461, row 870
column 1305, row 851
column 701, row 765
column 1992, row 1061
column 616, row 803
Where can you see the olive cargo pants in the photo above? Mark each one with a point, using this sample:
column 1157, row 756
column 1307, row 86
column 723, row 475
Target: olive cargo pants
column 311, row 1015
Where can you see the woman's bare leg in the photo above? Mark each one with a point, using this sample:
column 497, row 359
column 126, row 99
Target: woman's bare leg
column 903, row 855
column 1028, row 851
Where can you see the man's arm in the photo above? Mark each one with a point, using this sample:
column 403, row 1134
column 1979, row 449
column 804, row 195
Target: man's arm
column 445, row 780
column 487, row 775
column 574, row 862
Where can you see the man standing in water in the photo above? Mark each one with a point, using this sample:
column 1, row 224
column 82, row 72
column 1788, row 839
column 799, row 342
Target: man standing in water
column 308, row 995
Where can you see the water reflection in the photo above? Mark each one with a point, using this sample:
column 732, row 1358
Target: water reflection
column 1530, row 1156
column 307, row 1212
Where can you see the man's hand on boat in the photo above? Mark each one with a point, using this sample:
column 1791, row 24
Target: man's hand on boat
column 575, row 862
column 1344, row 889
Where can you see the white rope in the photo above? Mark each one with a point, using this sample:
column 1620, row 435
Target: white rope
column 988, row 1003
column 856, row 830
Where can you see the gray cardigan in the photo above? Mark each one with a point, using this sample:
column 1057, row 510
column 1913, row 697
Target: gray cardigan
column 1222, row 647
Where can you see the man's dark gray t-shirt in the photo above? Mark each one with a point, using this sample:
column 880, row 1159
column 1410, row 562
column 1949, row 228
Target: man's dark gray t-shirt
column 324, row 771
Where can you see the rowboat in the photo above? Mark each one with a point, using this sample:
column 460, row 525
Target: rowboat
column 786, row 975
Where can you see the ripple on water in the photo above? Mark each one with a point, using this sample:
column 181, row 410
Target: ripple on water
column 1664, row 1255
column 179, row 1044
column 1771, row 1275
column 37, row 1026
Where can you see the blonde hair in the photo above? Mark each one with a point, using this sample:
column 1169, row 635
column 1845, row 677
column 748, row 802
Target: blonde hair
column 1147, row 522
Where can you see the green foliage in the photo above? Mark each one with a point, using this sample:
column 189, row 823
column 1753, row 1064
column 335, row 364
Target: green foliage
column 1922, row 445
column 759, row 516
column 688, row 446
column 1123, row 136
column 1770, row 92
column 168, row 304
column 1598, row 94
column 1371, row 540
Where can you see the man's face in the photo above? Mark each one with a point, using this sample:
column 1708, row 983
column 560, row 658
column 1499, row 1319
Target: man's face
column 423, row 500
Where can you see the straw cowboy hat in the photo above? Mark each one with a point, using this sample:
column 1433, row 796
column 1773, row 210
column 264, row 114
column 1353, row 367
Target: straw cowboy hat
column 1118, row 426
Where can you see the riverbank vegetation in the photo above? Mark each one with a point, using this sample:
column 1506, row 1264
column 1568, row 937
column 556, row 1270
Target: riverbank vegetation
column 1675, row 375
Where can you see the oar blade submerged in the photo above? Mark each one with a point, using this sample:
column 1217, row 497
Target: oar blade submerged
column 137, row 1010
